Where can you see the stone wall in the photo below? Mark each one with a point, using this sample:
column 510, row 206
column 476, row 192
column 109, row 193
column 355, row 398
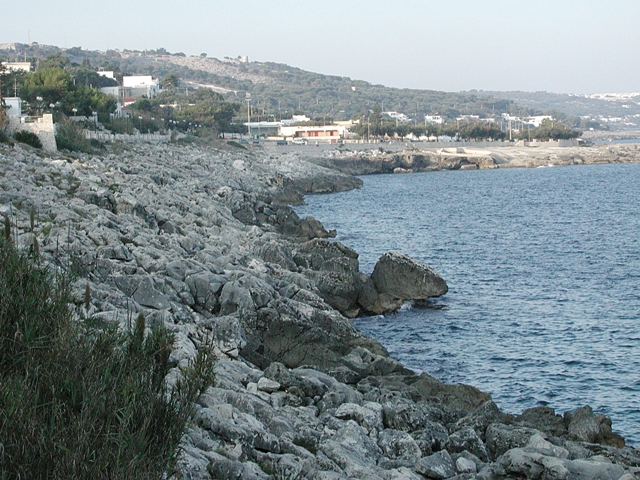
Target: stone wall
column 43, row 127
column 572, row 142
column 120, row 137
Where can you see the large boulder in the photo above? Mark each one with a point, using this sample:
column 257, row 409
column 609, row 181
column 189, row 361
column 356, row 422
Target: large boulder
column 537, row 464
column 397, row 276
column 585, row 426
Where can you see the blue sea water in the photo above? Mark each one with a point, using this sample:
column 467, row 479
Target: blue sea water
column 543, row 268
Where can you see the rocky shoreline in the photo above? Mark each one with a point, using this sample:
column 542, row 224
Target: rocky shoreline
column 377, row 160
column 203, row 241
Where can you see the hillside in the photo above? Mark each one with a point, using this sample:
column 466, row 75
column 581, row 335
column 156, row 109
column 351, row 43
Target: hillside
column 278, row 89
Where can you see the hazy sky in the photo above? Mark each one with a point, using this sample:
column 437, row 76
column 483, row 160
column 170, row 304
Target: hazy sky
column 564, row 46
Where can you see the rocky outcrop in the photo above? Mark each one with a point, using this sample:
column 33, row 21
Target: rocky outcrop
column 503, row 155
column 196, row 239
column 397, row 278
column 301, row 423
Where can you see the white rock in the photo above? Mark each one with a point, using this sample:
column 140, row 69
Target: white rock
column 464, row 465
column 267, row 385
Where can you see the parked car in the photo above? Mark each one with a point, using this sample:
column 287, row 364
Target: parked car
column 244, row 142
column 299, row 141
column 281, row 142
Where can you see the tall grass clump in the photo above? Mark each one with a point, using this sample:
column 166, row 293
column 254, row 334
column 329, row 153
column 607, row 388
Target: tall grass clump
column 82, row 402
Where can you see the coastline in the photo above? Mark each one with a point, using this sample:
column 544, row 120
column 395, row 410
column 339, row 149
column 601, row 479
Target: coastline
column 201, row 240
column 409, row 160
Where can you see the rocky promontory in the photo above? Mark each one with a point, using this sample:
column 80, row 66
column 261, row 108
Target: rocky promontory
column 201, row 240
column 363, row 161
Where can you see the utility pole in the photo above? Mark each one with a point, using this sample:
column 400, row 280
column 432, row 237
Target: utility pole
column 249, row 115
column 368, row 129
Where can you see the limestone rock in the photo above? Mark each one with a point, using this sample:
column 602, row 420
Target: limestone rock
column 586, row 426
column 399, row 445
column 459, row 397
column 544, row 419
column 464, row 465
column 480, row 418
column 467, row 439
column 399, row 276
column 269, row 386
column 437, row 466
column 500, row 438
column 368, row 416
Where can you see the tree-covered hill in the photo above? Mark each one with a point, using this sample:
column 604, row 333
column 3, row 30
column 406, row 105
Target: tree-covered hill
column 278, row 89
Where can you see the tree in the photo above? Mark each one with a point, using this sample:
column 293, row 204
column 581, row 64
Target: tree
column 89, row 77
column 3, row 115
column 55, row 60
column 554, row 130
column 170, row 80
column 51, row 84
column 55, row 86
column 375, row 121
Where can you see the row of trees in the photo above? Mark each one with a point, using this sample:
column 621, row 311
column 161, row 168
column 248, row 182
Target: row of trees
column 375, row 124
column 549, row 130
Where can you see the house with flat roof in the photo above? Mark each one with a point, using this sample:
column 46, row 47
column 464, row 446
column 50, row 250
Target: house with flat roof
column 138, row 86
column 324, row 133
column 18, row 66
column 434, row 119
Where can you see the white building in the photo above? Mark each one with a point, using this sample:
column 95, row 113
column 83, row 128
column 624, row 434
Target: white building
column 105, row 73
column 434, row 119
column 14, row 106
column 400, row 117
column 468, row 118
column 137, row 86
column 534, row 121
column 323, row 133
column 17, row 66
column 295, row 119
column 537, row 120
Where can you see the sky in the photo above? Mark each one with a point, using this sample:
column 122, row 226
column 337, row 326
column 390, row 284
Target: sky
column 561, row 46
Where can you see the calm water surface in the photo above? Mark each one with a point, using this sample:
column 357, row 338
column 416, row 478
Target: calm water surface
column 543, row 268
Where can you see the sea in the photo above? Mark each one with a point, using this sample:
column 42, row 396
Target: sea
column 543, row 269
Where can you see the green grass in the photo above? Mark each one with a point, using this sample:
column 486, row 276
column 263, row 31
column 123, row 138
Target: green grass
column 78, row 401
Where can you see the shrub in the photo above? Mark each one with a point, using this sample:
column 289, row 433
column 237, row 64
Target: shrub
column 30, row 138
column 120, row 125
column 70, row 136
column 235, row 144
column 5, row 139
column 78, row 401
